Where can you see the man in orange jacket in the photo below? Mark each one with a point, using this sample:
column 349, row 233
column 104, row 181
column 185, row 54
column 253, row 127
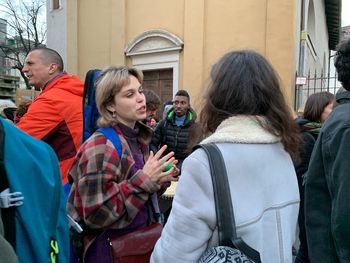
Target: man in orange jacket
column 55, row 116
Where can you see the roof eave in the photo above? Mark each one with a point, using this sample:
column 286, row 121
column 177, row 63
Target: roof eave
column 333, row 16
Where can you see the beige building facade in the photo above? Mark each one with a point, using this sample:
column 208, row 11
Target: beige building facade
column 175, row 43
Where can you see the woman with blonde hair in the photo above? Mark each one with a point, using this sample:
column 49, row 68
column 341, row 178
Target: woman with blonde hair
column 111, row 194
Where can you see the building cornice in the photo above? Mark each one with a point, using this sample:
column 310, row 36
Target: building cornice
column 153, row 41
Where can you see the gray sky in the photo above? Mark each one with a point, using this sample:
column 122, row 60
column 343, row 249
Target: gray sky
column 345, row 13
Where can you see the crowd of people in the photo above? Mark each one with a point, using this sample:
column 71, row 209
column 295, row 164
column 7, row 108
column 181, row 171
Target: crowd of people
column 287, row 174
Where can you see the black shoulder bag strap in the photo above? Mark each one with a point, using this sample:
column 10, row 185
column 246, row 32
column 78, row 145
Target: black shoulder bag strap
column 223, row 204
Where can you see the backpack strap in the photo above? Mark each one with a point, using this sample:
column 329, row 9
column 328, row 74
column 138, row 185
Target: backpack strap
column 113, row 136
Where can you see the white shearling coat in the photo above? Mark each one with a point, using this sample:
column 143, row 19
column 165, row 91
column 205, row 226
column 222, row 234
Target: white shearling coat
column 264, row 193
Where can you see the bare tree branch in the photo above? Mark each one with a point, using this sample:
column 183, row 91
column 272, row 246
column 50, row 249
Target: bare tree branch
column 26, row 30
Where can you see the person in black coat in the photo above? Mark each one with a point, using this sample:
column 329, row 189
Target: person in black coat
column 327, row 195
column 176, row 131
column 317, row 108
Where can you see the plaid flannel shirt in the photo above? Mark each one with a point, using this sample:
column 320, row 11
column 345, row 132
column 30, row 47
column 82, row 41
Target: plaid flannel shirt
column 102, row 197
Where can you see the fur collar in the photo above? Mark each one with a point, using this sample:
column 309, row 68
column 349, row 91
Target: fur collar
column 241, row 129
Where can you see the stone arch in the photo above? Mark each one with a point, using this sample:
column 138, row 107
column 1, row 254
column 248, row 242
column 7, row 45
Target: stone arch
column 153, row 41
column 156, row 49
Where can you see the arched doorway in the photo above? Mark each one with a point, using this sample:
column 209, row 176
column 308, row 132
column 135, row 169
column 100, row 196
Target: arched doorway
column 157, row 54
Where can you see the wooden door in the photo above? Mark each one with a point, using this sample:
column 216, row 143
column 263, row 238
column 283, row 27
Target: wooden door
column 161, row 82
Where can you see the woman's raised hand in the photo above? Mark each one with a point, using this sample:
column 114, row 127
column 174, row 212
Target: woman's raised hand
column 156, row 164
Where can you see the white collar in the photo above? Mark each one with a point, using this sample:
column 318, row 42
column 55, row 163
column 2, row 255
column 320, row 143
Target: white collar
column 242, row 129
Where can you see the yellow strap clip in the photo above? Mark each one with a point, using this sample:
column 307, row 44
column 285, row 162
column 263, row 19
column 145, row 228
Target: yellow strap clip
column 54, row 250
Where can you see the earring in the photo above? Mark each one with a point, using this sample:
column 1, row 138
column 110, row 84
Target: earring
column 114, row 114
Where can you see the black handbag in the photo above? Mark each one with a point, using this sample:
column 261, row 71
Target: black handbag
column 231, row 248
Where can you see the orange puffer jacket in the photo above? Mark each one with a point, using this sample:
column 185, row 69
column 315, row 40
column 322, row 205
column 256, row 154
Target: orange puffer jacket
column 56, row 117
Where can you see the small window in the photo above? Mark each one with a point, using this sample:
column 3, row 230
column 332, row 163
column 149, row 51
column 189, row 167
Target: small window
column 55, row 4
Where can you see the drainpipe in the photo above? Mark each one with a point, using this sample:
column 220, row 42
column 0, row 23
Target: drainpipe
column 302, row 52
column 329, row 68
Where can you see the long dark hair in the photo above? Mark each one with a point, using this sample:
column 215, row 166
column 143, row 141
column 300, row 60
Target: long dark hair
column 244, row 83
column 315, row 105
